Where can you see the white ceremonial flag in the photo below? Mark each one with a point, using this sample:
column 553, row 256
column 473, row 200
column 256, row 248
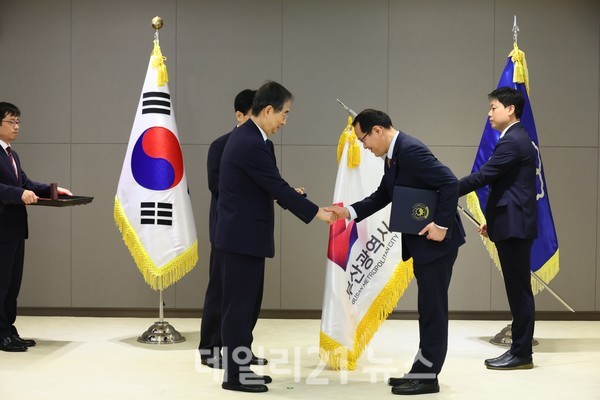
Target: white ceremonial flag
column 365, row 274
column 152, row 206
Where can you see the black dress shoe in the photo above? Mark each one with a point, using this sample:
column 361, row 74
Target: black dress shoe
column 9, row 344
column 212, row 362
column 23, row 342
column 252, row 378
column 415, row 386
column 258, row 360
column 508, row 361
column 249, row 388
column 398, row 381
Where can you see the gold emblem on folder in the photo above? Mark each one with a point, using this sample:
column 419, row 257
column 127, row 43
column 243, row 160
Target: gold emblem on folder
column 420, row 211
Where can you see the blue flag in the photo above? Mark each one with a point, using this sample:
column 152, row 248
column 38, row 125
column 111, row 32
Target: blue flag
column 544, row 253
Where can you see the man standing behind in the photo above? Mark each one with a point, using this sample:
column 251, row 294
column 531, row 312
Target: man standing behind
column 210, row 330
column 410, row 163
column 16, row 190
column 511, row 215
column 248, row 184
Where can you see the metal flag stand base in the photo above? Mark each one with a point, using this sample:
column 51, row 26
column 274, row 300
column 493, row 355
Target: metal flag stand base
column 504, row 337
column 161, row 332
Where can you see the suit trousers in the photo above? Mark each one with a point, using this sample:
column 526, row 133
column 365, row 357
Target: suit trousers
column 242, row 277
column 515, row 258
column 210, row 326
column 12, row 255
column 433, row 280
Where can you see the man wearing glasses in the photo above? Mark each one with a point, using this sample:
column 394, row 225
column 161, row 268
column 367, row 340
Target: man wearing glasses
column 16, row 190
column 411, row 164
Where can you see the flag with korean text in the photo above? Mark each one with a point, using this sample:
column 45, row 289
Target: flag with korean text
column 152, row 206
column 544, row 253
column 365, row 275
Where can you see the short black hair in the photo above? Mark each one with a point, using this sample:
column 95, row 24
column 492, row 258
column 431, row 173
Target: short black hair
column 270, row 94
column 509, row 97
column 369, row 118
column 243, row 101
column 8, row 109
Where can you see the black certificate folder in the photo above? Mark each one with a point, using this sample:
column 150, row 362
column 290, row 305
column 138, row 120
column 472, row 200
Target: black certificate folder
column 412, row 209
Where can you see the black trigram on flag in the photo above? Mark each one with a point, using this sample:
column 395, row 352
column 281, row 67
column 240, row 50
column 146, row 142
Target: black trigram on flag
column 156, row 213
column 156, row 103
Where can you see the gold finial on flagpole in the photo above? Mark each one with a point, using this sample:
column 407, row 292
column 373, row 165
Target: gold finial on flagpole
column 157, row 22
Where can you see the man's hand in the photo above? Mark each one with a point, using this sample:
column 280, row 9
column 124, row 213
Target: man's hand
column 325, row 215
column 64, row 191
column 433, row 232
column 338, row 212
column 483, row 230
column 28, row 197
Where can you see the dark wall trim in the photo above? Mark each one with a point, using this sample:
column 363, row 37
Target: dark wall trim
column 294, row 314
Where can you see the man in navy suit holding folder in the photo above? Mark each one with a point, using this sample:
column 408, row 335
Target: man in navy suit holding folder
column 411, row 164
column 248, row 185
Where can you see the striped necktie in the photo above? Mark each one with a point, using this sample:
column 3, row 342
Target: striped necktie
column 12, row 160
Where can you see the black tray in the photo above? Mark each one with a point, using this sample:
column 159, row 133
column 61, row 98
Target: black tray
column 63, row 201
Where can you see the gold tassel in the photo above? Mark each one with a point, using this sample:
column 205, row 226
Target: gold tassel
column 337, row 356
column 348, row 136
column 155, row 277
column 520, row 74
column 158, row 63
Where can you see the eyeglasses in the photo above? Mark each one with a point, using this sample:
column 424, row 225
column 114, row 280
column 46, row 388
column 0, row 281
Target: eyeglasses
column 362, row 140
column 12, row 123
column 285, row 114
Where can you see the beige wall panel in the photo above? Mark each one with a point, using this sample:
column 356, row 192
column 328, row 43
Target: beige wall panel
column 111, row 47
column 304, row 247
column 47, row 274
column 223, row 47
column 440, row 68
column 560, row 40
column 332, row 49
column 35, row 43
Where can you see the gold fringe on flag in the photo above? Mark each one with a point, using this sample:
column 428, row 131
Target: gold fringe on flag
column 348, row 136
column 157, row 278
column 337, row 356
column 546, row 273
column 158, row 63
column 520, row 74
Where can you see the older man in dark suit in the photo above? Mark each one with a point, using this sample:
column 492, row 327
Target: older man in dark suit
column 248, row 185
column 511, row 215
column 16, row 190
column 411, row 164
column 210, row 331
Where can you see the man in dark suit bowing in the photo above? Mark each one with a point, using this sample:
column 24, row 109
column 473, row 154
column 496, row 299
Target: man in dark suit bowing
column 210, row 330
column 248, row 185
column 16, row 190
column 511, row 215
column 410, row 163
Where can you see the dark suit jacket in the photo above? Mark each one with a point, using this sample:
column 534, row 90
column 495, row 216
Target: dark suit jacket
column 213, row 165
column 248, row 185
column 511, row 209
column 13, row 217
column 414, row 165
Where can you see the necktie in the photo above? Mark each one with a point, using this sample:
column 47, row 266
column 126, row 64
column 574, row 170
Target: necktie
column 12, row 160
column 388, row 161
